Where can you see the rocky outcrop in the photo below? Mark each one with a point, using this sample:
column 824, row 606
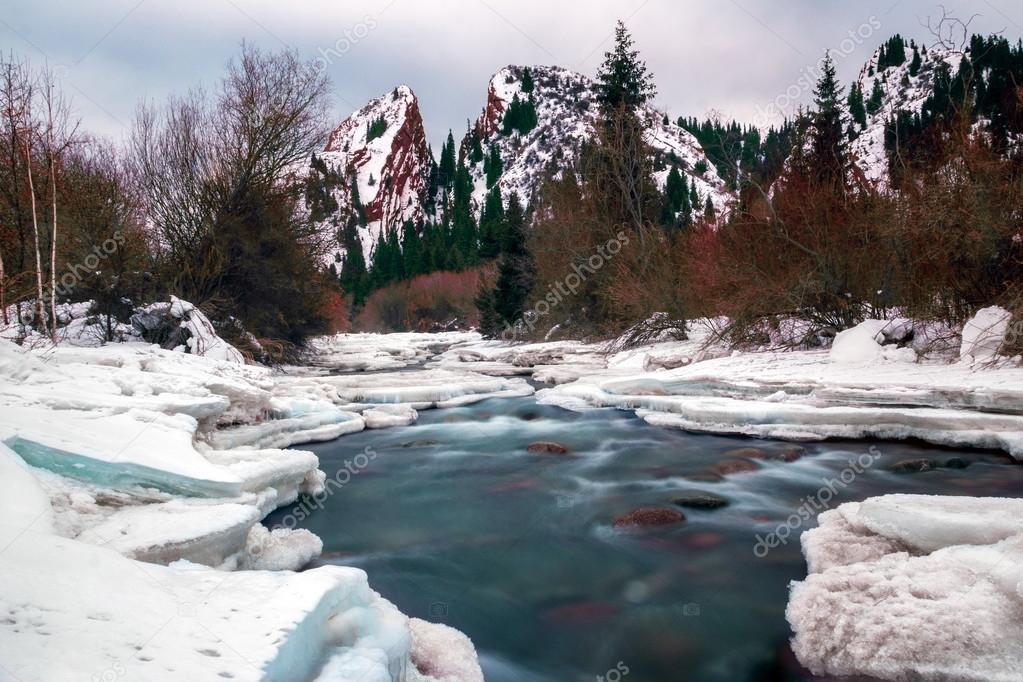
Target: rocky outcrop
column 382, row 150
column 567, row 111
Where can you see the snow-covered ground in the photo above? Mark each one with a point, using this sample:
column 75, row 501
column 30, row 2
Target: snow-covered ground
column 863, row 387
column 913, row 587
column 133, row 481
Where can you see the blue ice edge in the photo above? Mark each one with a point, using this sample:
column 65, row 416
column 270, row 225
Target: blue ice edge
column 117, row 474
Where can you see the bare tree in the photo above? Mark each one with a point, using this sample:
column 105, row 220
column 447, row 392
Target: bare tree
column 60, row 135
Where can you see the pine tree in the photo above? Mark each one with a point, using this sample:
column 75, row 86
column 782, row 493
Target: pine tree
column 876, row 98
column 828, row 137
column 493, row 167
column 676, row 195
column 490, row 323
column 516, row 271
column 914, row 66
column 857, row 108
column 709, row 214
column 492, row 225
column 623, row 79
column 446, row 168
column 527, row 81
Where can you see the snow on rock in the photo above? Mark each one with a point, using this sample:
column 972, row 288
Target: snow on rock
column 416, row 390
column 913, row 587
column 862, row 344
column 280, row 549
column 443, row 654
column 567, row 111
column 150, row 470
column 901, row 91
column 384, row 416
column 984, row 334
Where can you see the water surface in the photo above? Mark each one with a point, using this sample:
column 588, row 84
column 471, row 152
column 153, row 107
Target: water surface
column 457, row 523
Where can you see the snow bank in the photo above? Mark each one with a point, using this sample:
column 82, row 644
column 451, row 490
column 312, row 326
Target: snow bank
column 862, row 344
column 913, row 587
column 984, row 334
column 807, row 396
column 154, row 469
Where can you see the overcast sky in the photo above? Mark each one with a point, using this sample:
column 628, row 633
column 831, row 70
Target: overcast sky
column 742, row 58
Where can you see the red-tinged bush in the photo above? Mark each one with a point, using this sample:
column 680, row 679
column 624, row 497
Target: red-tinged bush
column 427, row 302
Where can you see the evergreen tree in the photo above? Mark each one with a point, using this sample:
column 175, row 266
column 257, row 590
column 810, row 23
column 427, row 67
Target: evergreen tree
column 694, row 195
column 857, row 107
column 475, row 148
column 709, row 213
column 876, row 98
column 446, row 167
column 527, row 81
column 516, row 271
column 623, row 79
column 375, row 128
column 490, row 323
column 464, row 232
column 493, row 167
column 676, row 196
column 914, row 66
column 492, row 225
column 828, row 138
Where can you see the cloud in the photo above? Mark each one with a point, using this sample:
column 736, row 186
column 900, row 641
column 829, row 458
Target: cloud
column 731, row 56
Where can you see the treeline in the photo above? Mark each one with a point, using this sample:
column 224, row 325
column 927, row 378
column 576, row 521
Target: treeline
column 201, row 203
column 810, row 244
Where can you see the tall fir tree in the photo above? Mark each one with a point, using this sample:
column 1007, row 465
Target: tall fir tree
column 516, row 272
column 492, row 225
column 623, row 79
column 828, row 137
column 446, row 167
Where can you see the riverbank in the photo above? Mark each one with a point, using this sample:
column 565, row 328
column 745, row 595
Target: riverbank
column 150, row 470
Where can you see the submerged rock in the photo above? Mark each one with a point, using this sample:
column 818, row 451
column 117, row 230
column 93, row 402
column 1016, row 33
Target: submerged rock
column 791, row 453
column 912, row 466
column 700, row 500
column 649, row 516
column 547, row 448
column 735, row 466
column 751, row 453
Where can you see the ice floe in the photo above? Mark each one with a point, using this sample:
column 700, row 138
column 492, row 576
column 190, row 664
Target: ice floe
column 913, row 587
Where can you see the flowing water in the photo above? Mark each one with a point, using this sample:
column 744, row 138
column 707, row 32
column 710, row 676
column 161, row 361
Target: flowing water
column 457, row 523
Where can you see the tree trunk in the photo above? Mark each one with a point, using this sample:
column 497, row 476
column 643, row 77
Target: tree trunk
column 53, row 235
column 40, row 304
column 3, row 299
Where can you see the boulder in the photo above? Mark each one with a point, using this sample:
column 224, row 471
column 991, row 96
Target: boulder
column 700, row 500
column 547, row 448
column 649, row 516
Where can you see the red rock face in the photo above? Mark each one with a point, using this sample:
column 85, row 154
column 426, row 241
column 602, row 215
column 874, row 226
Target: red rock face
column 401, row 185
column 403, row 171
column 492, row 116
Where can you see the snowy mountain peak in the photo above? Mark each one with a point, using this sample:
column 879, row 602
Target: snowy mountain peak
column 381, row 150
column 564, row 110
column 888, row 88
